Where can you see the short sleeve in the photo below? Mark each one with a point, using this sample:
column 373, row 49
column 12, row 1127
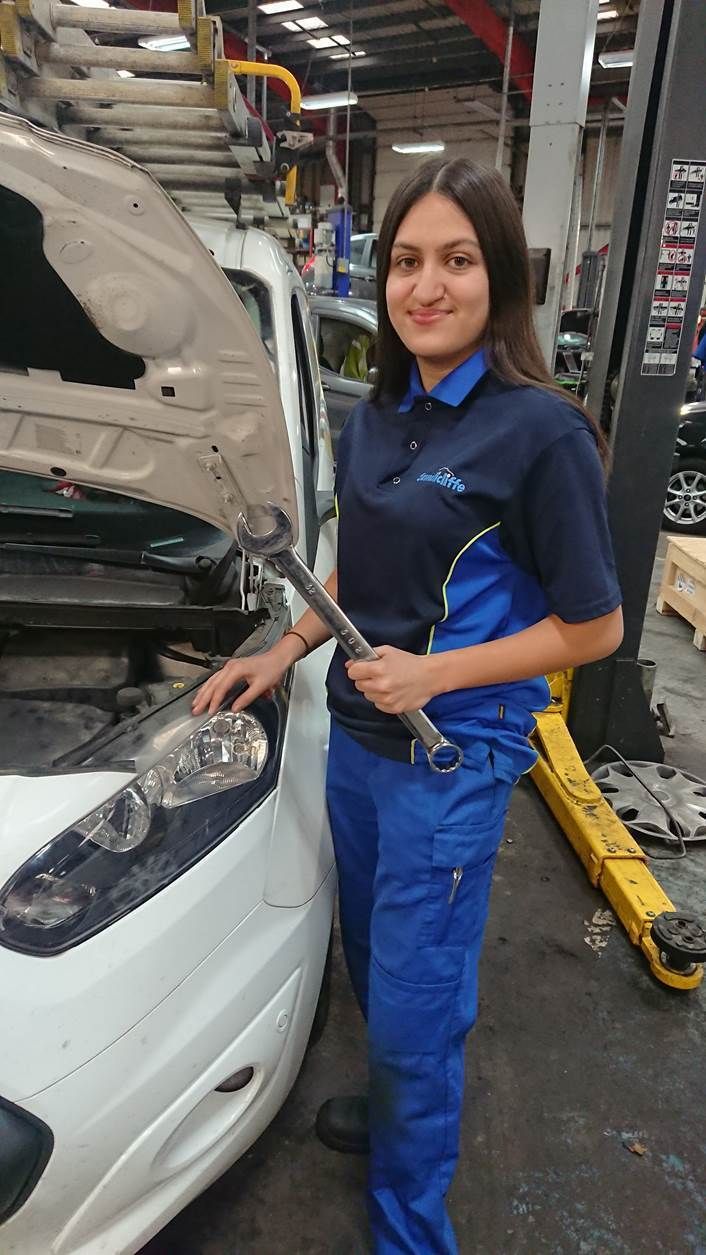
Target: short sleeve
column 566, row 520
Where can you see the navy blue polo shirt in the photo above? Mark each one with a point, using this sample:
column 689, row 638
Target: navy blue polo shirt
column 465, row 515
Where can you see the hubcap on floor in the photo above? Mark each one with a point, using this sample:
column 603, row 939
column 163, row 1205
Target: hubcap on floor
column 686, row 498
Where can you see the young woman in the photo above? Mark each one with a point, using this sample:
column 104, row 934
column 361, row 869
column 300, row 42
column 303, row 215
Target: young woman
column 475, row 556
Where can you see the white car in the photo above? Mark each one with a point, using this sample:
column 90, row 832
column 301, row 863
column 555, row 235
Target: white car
column 166, row 882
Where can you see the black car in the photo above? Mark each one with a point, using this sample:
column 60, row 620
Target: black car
column 685, row 507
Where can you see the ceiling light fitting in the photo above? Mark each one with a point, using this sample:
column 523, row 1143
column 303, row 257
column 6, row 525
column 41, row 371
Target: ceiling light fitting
column 165, row 43
column 605, row 15
column 616, row 60
column 280, row 6
column 330, row 100
column 430, row 146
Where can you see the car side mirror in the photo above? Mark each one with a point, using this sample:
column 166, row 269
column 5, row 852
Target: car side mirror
column 372, row 376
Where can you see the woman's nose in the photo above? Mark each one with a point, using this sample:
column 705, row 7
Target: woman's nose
column 429, row 286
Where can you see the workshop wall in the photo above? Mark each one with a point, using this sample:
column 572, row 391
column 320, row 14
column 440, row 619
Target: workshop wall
column 449, row 114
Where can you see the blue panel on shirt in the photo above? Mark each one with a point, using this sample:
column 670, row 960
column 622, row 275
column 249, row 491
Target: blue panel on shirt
column 463, row 518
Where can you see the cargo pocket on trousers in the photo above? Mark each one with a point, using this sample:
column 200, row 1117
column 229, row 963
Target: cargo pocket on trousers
column 463, row 851
column 459, row 885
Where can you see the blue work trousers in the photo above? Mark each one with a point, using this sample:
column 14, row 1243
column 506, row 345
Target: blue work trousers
column 415, row 853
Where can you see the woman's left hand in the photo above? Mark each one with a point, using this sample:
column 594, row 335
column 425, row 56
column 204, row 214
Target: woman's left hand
column 396, row 682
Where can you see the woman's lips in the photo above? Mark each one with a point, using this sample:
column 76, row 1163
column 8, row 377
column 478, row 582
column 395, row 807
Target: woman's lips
column 425, row 317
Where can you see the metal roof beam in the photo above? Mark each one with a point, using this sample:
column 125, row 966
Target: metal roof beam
column 487, row 25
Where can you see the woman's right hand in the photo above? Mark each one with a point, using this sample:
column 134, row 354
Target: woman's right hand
column 261, row 673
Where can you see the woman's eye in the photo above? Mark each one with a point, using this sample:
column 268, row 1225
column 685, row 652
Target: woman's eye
column 406, row 263
column 460, row 263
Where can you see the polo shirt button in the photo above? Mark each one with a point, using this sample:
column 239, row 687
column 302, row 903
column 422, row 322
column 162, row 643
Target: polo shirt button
column 414, row 445
column 396, row 480
column 427, row 406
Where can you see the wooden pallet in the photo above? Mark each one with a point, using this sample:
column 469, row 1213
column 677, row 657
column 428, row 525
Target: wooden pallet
column 683, row 589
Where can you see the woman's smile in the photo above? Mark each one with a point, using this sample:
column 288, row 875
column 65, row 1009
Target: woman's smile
column 426, row 317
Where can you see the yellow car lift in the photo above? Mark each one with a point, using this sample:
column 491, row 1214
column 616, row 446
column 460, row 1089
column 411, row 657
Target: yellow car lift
column 614, row 862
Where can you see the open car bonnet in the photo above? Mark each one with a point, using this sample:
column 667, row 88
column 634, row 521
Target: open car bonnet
column 127, row 362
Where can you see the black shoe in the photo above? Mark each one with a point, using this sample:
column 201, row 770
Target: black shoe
column 342, row 1124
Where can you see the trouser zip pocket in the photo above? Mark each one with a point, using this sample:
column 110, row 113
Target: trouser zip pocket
column 456, row 878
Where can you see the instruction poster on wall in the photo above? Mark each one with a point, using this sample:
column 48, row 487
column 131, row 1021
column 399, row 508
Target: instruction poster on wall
column 673, row 278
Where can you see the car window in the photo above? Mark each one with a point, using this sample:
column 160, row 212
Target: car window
column 307, row 401
column 374, row 254
column 256, row 298
column 345, row 348
column 357, row 249
column 307, row 376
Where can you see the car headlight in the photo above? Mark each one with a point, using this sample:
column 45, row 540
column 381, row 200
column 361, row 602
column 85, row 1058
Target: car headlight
column 145, row 836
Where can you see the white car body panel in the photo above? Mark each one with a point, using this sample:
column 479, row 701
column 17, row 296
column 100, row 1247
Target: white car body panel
column 118, row 1043
column 215, row 444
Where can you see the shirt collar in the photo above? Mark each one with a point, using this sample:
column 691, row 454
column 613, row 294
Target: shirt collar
column 453, row 389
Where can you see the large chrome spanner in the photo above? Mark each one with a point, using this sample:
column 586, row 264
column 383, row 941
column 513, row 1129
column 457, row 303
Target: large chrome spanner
column 274, row 542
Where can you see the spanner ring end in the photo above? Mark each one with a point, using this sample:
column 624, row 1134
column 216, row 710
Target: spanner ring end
column 445, row 757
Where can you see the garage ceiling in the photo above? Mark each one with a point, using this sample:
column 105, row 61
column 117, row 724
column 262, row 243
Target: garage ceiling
column 418, row 43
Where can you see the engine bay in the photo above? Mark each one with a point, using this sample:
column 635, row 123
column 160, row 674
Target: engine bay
column 86, row 648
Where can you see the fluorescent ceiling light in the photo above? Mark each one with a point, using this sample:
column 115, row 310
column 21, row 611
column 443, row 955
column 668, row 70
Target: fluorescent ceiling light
column 605, row 14
column 326, row 42
column 280, row 6
column 479, row 106
column 92, row 4
column 125, row 74
column 341, row 39
column 421, row 146
column 165, row 43
column 616, row 60
column 331, row 100
column 305, row 24
column 343, row 56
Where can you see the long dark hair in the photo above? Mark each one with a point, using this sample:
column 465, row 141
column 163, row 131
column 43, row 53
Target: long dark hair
column 511, row 343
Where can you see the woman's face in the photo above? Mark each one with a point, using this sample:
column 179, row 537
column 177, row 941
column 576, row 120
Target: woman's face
column 438, row 295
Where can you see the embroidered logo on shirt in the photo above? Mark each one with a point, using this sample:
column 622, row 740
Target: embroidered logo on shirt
column 445, row 478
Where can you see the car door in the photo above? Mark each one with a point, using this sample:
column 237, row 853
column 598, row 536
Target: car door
column 370, row 275
column 346, row 352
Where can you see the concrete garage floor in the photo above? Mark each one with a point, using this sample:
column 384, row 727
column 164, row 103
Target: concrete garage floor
column 578, row 1055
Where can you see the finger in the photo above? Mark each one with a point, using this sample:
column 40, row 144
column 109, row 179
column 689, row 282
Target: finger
column 362, row 670
column 203, row 696
column 374, row 688
column 247, row 697
column 225, row 684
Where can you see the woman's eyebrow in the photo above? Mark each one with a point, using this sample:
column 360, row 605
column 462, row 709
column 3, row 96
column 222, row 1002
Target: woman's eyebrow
column 443, row 248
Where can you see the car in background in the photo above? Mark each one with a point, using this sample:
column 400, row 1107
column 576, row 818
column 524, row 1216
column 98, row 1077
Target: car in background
column 685, row 507
column 345, row 330
column 364, row 250
column 166, row 880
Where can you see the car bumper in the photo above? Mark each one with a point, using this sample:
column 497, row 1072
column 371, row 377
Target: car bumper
column 140, row 1129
